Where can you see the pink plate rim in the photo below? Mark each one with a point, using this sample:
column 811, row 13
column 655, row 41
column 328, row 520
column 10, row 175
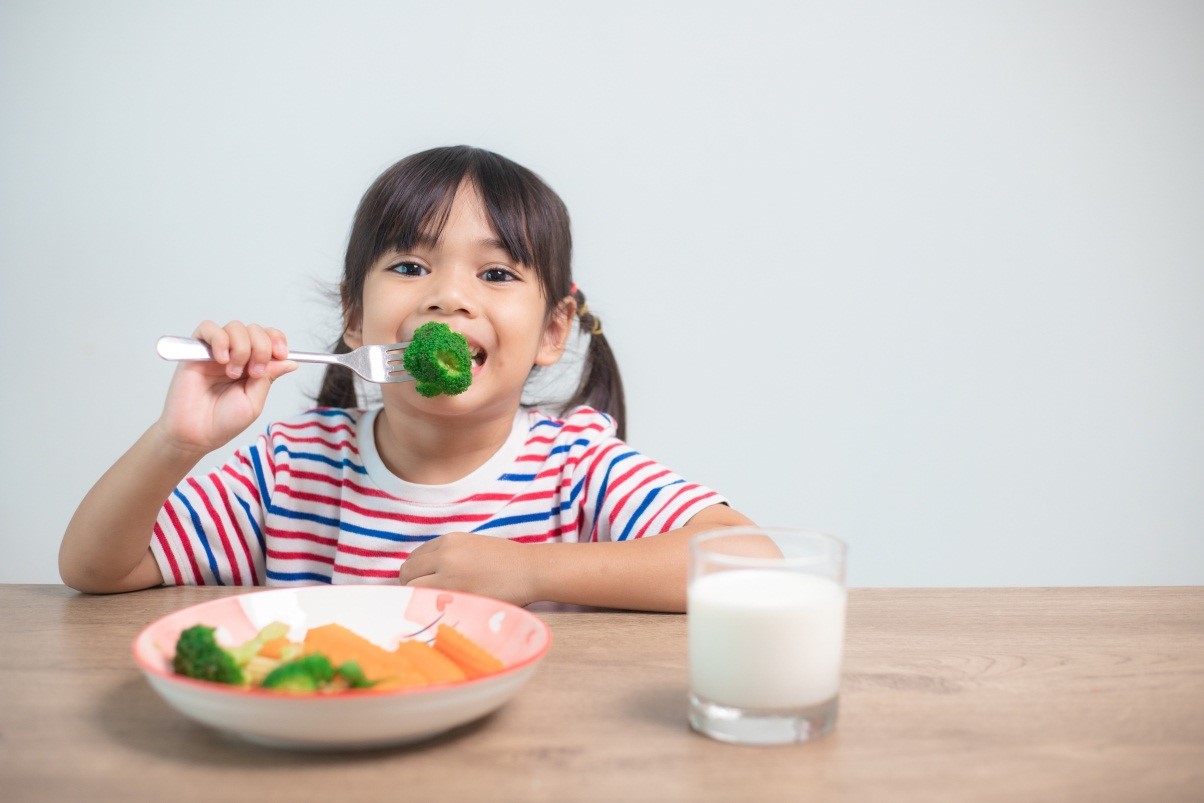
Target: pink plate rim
column 360, row 694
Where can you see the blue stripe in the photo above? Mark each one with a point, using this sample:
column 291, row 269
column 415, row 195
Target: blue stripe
column 260, row 478
column 502, row 522
column 345, row 527
column 321, row 578
column 254, row 524
column 644, row 506
column 320, row 458
column 200, row 531
column 606, row 481
column 564, row 447
column 547, row 422
column 334, row 412
column 517, row 477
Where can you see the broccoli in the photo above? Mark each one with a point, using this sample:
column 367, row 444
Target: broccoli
column 439, row 359
column 350, row 671
column 198, row 655
column 305, row 674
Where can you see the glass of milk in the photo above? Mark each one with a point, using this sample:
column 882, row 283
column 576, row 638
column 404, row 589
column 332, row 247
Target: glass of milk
column 765, row 613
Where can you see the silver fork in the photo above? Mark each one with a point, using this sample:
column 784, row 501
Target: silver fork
column 380, row 364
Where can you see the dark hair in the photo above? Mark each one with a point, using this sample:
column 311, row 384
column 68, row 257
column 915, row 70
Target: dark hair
column 414, row 197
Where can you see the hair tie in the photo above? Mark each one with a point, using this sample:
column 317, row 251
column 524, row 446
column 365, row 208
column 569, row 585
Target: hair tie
column 573, row 289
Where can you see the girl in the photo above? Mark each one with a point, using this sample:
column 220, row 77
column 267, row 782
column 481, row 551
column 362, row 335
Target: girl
column 471, row 492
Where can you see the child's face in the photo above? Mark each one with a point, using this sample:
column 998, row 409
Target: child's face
column 468, row 281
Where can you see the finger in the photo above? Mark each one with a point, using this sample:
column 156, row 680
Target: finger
column 425, row 580
column 240, row 348
column 279, row 343
column 278, row 368
column 415, row 566
column 261, row 350
column 216, row 337
column 425, row 548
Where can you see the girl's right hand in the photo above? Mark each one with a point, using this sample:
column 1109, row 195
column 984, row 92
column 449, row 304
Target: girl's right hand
column 211, row 402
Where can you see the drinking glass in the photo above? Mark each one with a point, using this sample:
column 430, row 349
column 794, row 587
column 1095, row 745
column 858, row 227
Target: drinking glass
column 766, row 613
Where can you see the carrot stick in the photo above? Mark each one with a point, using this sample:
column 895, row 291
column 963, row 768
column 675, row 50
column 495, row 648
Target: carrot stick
column 436, row 666
column 466, row 653
column 341, row 645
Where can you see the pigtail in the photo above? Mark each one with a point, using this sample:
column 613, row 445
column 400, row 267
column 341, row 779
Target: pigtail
column 338, row 383
column 601, row 386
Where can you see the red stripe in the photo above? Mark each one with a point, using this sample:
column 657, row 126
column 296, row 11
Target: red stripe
column 299, row 535
column 535, row 496
column 242, row 479
column 567, row 428
column 366, row 572
column 266, row 451
column 331, row 428
column 683, row 508
column 171, row 558
column 221, row 530
column 591, row 473
column 198, row 578
column 343, row 482
column 614, row 512
column 242, row 537
column 490, row 498
column 555, row 532
column 372, row 553
column 668, row 504
column 337, row 446
column 276, row 554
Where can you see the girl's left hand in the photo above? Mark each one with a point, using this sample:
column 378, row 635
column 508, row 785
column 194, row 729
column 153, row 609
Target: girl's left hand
column 479, row 564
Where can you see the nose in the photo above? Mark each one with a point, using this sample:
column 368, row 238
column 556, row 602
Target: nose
column 450, row 292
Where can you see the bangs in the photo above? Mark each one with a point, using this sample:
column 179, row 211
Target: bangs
column 415, row 200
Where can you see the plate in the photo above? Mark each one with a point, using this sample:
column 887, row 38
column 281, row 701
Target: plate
column 362, row 719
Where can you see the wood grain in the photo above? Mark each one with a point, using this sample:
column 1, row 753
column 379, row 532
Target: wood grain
column 1075, row 694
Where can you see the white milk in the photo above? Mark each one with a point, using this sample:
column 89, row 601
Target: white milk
column 765, row 638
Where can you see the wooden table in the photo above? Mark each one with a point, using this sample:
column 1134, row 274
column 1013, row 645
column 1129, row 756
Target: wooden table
column 1077, row 694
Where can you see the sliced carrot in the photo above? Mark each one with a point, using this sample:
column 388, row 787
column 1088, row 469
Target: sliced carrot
column 436, row 666
column 275, row 648
column 341, row 645
column 466, row 653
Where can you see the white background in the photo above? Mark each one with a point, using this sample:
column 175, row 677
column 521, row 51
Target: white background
column 927, row 275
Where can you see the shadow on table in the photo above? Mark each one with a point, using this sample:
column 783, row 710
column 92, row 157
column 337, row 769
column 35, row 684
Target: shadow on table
column 664, row 706
column 137, row 718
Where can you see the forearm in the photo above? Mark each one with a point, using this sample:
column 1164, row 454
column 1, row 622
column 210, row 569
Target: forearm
column 645, row 574
column 106, row 545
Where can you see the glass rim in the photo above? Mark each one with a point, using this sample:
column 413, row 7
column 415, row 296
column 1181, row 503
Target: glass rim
column 839, row 548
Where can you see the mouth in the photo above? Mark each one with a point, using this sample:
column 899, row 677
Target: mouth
column 479, row 355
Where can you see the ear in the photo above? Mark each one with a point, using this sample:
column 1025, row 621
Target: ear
column 556, row 332
column 353, row 336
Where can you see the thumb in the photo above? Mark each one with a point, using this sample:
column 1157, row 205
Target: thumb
column 278, row 368
column 257, row 388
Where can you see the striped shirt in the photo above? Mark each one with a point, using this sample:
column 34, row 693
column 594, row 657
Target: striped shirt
column 312, row 502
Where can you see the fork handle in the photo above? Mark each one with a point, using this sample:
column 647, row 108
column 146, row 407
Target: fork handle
column 184, row 349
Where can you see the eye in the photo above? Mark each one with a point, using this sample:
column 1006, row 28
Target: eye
column 496, row 274
column 409, row 269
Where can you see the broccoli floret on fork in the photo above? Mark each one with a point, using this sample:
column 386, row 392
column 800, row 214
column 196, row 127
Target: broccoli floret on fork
column 439, row 360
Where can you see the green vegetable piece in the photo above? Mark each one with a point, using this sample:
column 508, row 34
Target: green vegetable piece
column 351, row 672
column 305, row 674
column 245, row 652
column 199, row 656
column 439, row 359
